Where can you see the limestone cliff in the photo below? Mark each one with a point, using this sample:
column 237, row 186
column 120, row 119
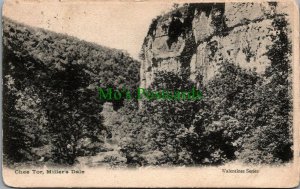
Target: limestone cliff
column 197, row 38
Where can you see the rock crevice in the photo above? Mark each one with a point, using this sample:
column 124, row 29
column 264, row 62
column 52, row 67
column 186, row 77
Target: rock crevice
column 198, row 38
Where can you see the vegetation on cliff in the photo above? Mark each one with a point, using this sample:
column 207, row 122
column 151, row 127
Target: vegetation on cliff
column 244, row 115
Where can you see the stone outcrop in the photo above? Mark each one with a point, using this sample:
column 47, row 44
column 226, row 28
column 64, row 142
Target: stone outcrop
column 206, row 36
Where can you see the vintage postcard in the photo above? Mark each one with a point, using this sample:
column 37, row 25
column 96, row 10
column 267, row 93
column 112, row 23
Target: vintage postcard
column 186, row 93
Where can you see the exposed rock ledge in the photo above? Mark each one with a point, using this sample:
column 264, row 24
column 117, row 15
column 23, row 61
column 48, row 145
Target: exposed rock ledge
column 198, row 38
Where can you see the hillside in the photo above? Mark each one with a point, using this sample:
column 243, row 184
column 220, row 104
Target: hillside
column 51, row 105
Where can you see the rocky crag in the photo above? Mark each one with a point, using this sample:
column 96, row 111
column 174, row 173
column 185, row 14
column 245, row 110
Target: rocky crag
column 197, row 38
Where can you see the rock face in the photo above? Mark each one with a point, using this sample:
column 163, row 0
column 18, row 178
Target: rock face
column 197, row 38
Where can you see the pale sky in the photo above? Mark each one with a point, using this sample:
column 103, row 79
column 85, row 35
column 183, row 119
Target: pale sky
column 114, row 24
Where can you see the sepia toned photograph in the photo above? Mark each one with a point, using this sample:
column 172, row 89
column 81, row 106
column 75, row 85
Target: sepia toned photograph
column 150, row 93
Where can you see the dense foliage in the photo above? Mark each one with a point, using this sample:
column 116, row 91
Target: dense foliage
column 51, row 105
column 159, row 133
column 240, row 118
